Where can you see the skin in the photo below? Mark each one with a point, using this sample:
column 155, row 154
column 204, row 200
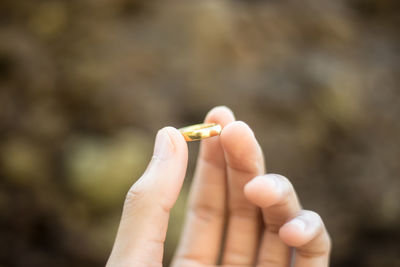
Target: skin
column 237, row 214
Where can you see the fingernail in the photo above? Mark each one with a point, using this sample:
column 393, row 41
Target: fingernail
column 298, row 223
column 163, row 147
column 274, row 182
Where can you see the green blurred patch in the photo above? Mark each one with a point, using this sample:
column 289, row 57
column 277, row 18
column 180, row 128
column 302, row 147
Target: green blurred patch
column 24, row 162
column 102, row 169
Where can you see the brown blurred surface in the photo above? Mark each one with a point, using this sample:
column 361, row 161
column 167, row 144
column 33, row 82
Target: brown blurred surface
column 84, row 86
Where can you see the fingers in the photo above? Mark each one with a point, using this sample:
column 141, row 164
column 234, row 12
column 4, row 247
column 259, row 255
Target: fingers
column 275, row 195
column 144, row 221
column 203, row 230
column 286, row 225
column 306, row 232
column 244, row 160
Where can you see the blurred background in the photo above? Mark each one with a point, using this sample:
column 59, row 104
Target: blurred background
column 86, row 84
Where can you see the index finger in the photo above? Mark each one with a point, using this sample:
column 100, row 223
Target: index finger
column 203, row 229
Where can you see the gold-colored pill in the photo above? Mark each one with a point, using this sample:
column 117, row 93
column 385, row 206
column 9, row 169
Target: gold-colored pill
column 200, row 131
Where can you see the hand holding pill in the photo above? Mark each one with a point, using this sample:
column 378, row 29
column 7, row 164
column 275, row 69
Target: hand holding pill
column 238, row 215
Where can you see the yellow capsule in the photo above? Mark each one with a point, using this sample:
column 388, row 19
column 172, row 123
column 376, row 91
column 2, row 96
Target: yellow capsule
column 200, row 131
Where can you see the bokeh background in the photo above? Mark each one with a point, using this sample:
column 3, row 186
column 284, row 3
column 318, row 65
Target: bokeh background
column 86, row 84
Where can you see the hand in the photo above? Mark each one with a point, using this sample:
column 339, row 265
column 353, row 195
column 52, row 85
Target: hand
column 236, row 212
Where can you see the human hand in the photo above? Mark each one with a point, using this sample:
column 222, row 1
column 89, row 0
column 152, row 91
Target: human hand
column 237, row 215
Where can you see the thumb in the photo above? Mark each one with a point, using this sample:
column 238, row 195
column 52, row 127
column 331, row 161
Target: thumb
column 142, row 230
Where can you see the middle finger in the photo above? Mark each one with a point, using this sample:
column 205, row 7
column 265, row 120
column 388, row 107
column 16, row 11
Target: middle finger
column 244, row 160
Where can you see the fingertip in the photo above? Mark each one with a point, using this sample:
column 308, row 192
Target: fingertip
column 221, row 115
column 177, row 139
column 236, row 126
column 237, row 134
column 170, row 151
column 210, row 148
column 263, row 191
column 242, row 151
column 292, row 233
column 302, row 229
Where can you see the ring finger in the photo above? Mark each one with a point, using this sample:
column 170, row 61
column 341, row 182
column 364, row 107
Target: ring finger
column 275, row 195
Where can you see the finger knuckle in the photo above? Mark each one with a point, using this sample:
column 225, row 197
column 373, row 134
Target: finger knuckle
column 269, row 260
column 243, row 212
column 134, row 195
column 207, row 212
column 320, row 252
